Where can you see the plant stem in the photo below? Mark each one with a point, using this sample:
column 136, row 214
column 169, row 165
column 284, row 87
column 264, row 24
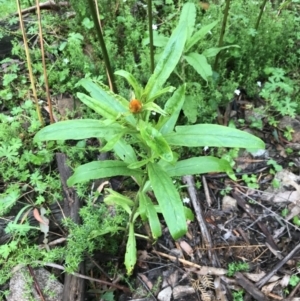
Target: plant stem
column 103, row 47
column 151, row 35
column 260, row 14
column 31, row 77
column 220, row 44
column 44, row 62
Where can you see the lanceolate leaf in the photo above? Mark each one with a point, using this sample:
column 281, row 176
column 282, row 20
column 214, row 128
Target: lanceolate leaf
column 115, row 198
column 188, row 16
column 154, row 139
column 99, row 91
column 98, row 106
column 77, row 130
column 215, row 50
column 125, row 151
column 168, row 199
column 130, row 255
column 101, row 169
column 213, row 135
column 151, row 214
column 161, row 92
column 200, row 64
column 103, row 94
column 172, row 107
column 168, row 60
column 199, row 35
column 197, row 165
column 132, row 81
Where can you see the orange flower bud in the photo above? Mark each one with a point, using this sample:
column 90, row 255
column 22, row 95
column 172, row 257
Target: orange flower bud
column 135, row 106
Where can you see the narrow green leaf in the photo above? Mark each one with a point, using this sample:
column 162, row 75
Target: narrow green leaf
column 115, row 198
column 197, row 165
column 101, row 92
column 161, row 92
column 168, row 60
column 98, row 106
column 77, row 130
column 210, row 52
column 168, row 199
column 151, row 215
column 159, row 40
column 151, row 106
column 138, row 164
column 200, row 64
column 188, row 16
column 99, row 170
column 125, row 151
column 213, row 135
column 127, row 154
column 199, row 35
column 107, row 97
column 154, row 139
column 130, row 255
column 111, row 142
column 132, row 81
column 172, row 107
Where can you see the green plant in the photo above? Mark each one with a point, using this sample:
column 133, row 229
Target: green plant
column 296, row 220
column 284, row 212
column 142, row 145
column 288, row 133
column 226, row 190
column 280, row 92
column 294, row 280
column 251, row 181
column 238, row 295
column 237, row 267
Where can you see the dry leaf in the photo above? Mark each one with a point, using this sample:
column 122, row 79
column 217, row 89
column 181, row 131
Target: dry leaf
column 37, row 216
column 186, row 248
column 146, row 281
column 267, row 289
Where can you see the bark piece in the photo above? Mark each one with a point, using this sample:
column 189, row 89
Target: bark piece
column 73, row 286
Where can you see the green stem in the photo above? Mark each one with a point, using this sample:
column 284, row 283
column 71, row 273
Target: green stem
column 222, row 34
column 103, row 47
column 150, row 20
column 260, row 15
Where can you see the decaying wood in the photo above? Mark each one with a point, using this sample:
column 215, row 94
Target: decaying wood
column 45, row 5
column 200, row 270
column 73, row 286
column 241, row 202
column 249, row 287
column 265, row 279
column 181, row 291
column 206, row 237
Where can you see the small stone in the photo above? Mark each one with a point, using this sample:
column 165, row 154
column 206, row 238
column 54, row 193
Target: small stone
column 165, row 294
column 229, row 203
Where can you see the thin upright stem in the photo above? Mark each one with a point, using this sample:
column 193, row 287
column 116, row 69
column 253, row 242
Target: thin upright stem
column 222, row 34
column 150, row 20
column 103, row 46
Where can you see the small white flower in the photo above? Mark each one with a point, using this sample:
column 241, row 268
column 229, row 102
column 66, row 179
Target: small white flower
column 66, row 61
column 237, row 92
column 259, row 83
column 153, row 113
column 154, row 26
column 186, row 200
